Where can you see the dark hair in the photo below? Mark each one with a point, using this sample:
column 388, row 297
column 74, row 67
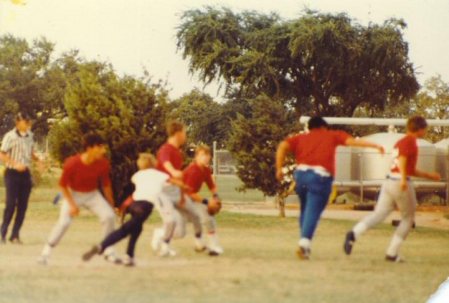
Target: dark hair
column 203, row 148
column 91, row 140
column 317, row 122
column 416, row 123
column 22, row 117
column 173, row 127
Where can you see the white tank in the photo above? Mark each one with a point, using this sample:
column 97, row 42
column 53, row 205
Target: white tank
column 442, row 158
column 369, row 164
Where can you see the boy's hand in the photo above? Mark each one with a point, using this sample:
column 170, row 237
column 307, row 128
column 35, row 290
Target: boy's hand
column 74, row 211
column 404, row 185
column 434, row 176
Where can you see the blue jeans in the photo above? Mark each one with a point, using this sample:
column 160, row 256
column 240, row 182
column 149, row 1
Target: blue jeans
column 313, row 191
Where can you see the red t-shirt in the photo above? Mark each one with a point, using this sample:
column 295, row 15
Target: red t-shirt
column 195, row 175
column 84, row 178
column 169, row 153
column 317, row 147
column 408, row 148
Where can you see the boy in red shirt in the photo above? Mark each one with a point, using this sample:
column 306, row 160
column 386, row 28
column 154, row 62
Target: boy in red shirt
column 315, row 158
column 173, row 206
column 81, row 175
column 397, row 190
column 197, row 173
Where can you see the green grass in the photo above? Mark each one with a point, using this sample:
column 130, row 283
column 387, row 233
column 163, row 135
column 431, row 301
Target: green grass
column 259, row 264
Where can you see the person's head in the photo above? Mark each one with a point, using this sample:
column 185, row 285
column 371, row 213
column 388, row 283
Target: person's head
column 203, row 155
column 417, row 125
column 317, row 122
column 177, row 130
column 146, row 160
column 23, row 122
column 94, row 145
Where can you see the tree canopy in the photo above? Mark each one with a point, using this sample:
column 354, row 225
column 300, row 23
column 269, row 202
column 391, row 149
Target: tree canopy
column 318, row 64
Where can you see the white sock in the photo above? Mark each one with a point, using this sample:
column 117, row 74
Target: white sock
column 359, row 229
column 395, row 243
column 304, row 242
column 47, row 250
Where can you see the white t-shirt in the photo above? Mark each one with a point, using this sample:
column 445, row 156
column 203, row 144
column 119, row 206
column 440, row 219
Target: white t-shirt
column 149, row 183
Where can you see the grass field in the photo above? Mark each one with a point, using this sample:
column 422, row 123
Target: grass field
column 259, row 265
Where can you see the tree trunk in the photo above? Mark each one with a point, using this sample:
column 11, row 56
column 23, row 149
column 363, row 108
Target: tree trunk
column 280, row 203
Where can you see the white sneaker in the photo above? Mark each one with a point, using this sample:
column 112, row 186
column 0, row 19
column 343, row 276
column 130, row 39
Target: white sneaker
column 112, row 258
column 199, row 245
column 128, row 261
column 43, row 260
column 214, row 246
column 156, row 242
column 166, row 251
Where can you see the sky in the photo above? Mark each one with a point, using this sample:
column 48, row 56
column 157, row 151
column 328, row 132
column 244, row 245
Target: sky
column 141, row 34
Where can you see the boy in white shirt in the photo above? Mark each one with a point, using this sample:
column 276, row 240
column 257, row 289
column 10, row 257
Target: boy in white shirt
column 148, row 184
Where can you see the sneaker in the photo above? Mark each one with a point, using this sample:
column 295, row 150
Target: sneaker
column 95, row 250
column 303, row 253
column 394, row 259
column 16, row 241
column 214, row 247
column 42, row 260
column 166, row 251
column 157, row 239
column 349, row 242
column 199, row 245
column 112, row 258
column 128, row 261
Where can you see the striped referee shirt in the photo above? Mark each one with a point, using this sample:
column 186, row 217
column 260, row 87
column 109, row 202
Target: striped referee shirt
column 18, row 147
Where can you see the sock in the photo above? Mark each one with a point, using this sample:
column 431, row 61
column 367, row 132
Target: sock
column 395, row 243
column 47, row 250
column 359, row 229
column 305, row 243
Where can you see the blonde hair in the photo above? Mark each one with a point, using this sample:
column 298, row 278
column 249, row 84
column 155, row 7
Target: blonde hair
column 203, row 148
column 146, row 160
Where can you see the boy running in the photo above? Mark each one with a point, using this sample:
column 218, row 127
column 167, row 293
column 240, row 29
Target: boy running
column 315, row 158
column 81, row 176
column 173, row 205
column 397, row 190
column 148, row 184
column 197, row 173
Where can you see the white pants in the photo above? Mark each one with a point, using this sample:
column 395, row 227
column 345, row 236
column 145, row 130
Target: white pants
column 207, row 221
column 93, row 201
column 390, row 196
column 175, row 217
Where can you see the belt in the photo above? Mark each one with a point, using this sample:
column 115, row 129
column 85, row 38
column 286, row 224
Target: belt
column 319, row 170
column 396, row 177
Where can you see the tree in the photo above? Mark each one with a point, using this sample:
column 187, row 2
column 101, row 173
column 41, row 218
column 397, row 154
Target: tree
column 205, row 119
column 129, row 113
column 29, row 82
column 253, row 143
column 318, row 64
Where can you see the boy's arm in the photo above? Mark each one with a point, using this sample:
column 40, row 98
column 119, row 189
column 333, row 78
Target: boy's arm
column 67, row 194
column 402, row 165
column 351, row 141
column 432, row 176
column 107, row 190
column 281, row 153
column 173, row 171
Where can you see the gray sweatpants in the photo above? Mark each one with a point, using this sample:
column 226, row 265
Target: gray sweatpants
column 93, row 201
column 175, row 217
column 390, row 196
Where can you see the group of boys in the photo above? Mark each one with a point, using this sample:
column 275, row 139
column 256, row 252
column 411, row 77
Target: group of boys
column 160, row 182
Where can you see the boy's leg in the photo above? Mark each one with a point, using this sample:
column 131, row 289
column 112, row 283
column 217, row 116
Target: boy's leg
column 384, row 206
column 209, row 224
column 406, row 202
column 22, row 203
column 12, row 192
column 97, row 204
column 57, row 232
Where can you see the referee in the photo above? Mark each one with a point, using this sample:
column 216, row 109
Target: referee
column 16, row 152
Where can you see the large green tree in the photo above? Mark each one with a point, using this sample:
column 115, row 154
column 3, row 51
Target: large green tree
column 319, row 63
column 128, row 112
column 30, row 82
